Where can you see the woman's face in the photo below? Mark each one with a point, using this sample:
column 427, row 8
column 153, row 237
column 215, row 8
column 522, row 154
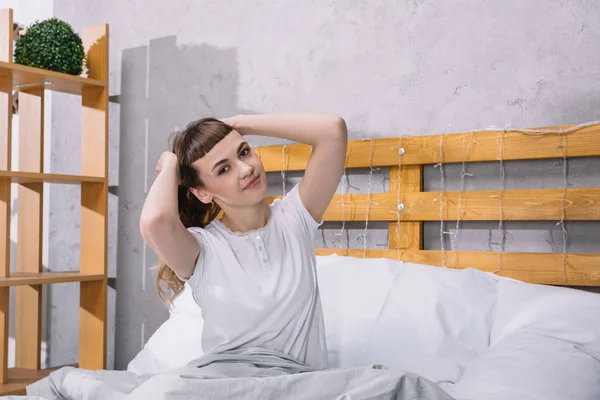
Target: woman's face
column 232, row 174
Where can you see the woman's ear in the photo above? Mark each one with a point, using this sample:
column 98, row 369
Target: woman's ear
column 202, row 195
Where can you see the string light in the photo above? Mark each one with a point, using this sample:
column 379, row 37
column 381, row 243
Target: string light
column 440, row 165
column 562, row 145
column 467, row 142
column 399, row 206
column 562, row 138
column 343, row 201
column 500, row 146
column 459, row 209
column 369, row 202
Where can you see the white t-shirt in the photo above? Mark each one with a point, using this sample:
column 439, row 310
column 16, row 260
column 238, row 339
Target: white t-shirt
column 259, row 288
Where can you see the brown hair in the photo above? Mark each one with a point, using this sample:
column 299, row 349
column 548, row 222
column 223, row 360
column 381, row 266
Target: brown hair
column 197, row 139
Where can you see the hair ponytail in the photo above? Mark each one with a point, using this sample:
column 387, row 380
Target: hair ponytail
column 189, row 145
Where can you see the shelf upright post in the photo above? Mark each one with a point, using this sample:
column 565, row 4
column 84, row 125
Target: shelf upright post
column 6, row 52
column 94, row 202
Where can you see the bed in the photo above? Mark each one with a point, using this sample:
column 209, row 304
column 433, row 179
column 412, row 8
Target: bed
column 441, row 323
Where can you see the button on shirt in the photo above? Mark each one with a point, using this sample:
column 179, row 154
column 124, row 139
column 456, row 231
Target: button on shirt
column 259, row 288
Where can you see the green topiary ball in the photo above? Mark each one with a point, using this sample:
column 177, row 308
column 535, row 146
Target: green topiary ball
column 53, row 45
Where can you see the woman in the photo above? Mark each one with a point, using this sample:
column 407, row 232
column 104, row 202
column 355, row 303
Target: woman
column 253, row 271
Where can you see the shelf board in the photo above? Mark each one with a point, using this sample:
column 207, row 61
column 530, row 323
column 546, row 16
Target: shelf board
column 45, row 278
column 36, row 177
column 26, row 77
column 20, row 378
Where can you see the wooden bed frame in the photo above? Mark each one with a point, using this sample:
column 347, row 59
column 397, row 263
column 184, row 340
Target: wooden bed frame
column 406, row 157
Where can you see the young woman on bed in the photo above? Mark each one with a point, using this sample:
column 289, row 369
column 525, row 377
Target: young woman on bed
column 253, row 271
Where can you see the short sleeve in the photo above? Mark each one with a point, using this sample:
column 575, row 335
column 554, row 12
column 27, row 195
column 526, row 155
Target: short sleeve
column 198, row 234
column 293, row 207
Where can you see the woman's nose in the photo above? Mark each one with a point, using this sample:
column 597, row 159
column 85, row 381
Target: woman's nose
column 246, row 169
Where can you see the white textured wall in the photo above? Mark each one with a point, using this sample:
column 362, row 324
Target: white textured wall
column 389, row 68
column 26, row 12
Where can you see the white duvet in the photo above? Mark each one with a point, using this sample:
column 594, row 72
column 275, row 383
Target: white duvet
column 475, row 335
column 479, row 336
column 249, row 373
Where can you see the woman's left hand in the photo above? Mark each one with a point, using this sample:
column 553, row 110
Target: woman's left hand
column 231, row 121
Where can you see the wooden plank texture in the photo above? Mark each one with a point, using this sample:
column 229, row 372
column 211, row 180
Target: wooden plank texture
column 25, row 77
column 394, row 228
column 4, row 321
column 31, row 177
column 30, row 199
column 5, row 122
column 20, row 378
column 360, row 154
column 485, row 146
column 355, row 207
column 6, row 55
column 92, row 324
column 483, row 205
column 5, row 211
column 93, row 228
column 94, row 202
column 410, row 233
column 46, row 278
column 92, row 310
column 541, row 268
column 517, row 205
column 457, row 147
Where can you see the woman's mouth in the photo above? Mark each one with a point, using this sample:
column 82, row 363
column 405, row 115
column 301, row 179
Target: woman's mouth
column 253, row 183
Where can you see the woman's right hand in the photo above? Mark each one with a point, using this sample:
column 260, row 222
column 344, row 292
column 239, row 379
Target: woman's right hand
column 166, row 158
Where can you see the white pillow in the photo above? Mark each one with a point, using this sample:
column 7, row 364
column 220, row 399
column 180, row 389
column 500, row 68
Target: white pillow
column 176, row 342
column 545, row 345
column 408, row 317
column 423, row 319
column 558, row 312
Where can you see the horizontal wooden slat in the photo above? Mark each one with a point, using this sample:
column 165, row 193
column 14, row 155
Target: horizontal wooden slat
column 45, row 278
column 355, row 207
column 294, row 157
column 477, row 205
column 517, row 205
column 20, row 378
column 25, row 77
column 33, row 177
column 360, row 154
column 485, row 146
column 457, row 147
column 541, row 268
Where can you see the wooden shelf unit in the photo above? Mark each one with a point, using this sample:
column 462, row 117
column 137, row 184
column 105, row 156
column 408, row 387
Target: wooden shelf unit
column 31, row 83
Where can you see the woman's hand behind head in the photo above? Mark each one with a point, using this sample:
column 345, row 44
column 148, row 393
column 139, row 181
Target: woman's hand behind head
column 168, row 160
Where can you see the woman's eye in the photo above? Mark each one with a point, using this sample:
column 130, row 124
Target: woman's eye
column 244, row 152
column 223, row 170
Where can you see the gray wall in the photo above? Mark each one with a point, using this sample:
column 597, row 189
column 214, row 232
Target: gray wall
column 389, row 68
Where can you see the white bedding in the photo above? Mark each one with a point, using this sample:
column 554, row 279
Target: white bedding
column 424, row 319
column 248, row 373
column 476, row 335
column 544, row 344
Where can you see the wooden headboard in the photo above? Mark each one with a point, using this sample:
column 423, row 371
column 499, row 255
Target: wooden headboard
column 406, row 206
